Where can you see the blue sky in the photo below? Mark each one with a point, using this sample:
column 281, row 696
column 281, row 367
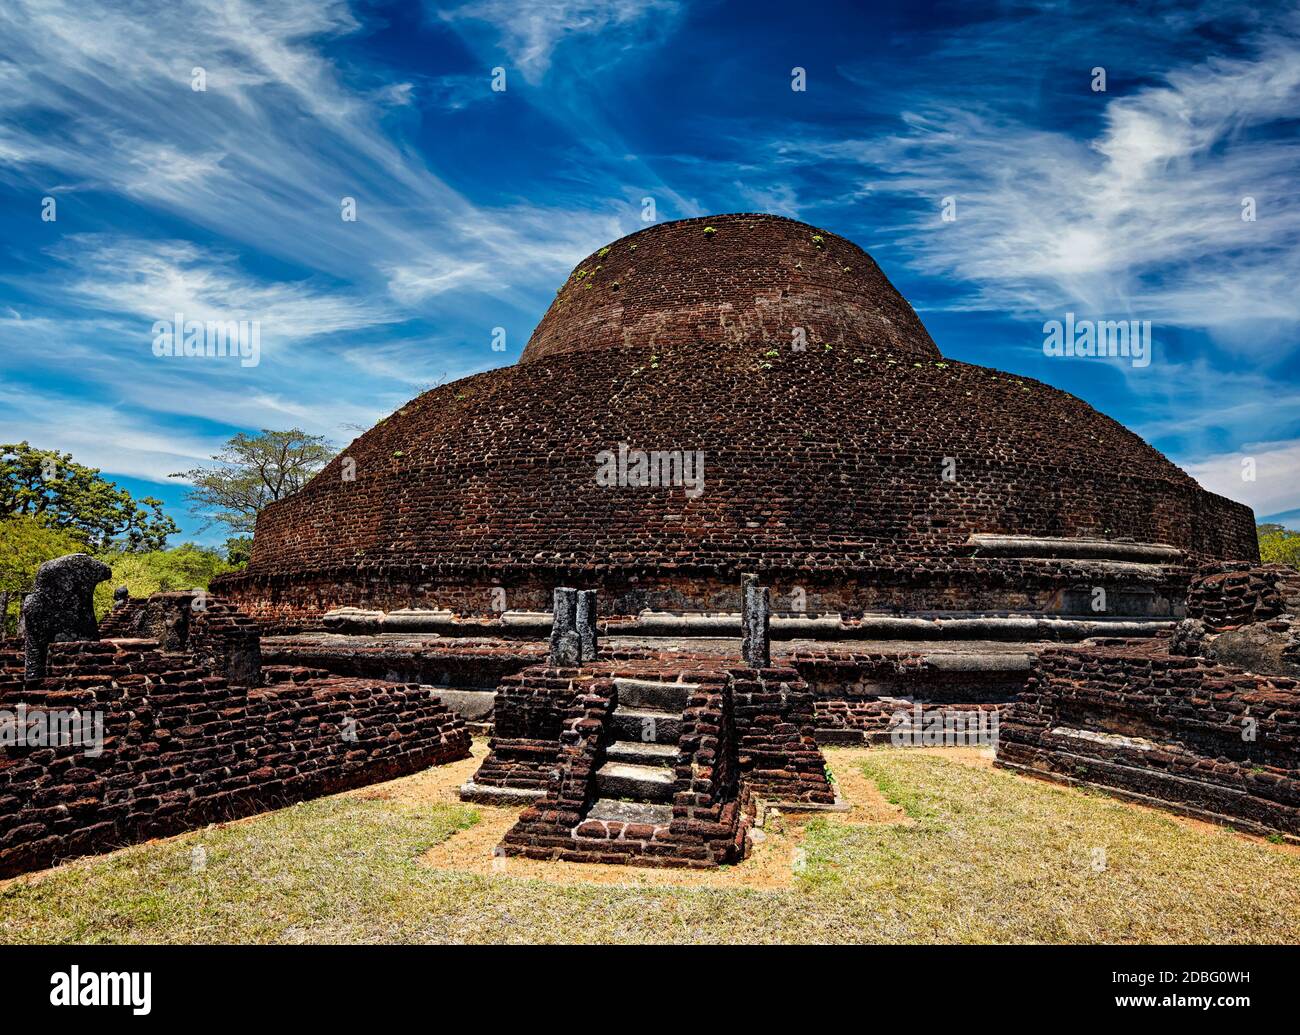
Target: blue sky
column 473, row 204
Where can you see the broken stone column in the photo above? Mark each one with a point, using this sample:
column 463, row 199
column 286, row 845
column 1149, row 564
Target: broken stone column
column 167, row 617
column 221, row 639
column 60, row 608
column 566, row 645
column 755, row 622
column 586, row 619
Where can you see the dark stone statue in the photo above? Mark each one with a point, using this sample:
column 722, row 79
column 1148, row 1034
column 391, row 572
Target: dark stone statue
column 61, row 607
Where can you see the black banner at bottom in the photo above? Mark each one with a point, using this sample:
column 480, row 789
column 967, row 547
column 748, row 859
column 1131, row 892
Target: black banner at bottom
column 150, row 984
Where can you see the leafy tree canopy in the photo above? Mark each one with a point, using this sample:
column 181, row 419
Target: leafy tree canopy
column 1279, row 545
column 188, row 566
column 252, row 471
column 25, row 544
column 67, row 496
column 239, row 550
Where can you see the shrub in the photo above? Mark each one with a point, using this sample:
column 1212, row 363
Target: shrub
column 188, row 566
column 1278, row 545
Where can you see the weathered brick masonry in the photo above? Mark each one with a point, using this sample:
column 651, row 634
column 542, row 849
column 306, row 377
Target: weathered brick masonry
column 1190, row 734
column 222, row 638
column 742, row 734
column 475, row 665
column 1230, row 595
column 823, row 466
column 858, row 695
column 707, row 823
column 1206, row 722
column 183, row 747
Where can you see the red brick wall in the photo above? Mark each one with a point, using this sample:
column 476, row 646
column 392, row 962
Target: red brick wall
column 1226, row 744
column 822, row 467
column 777, row 750
column 1231, row 595
column 752, row 279
column 183, row 749
column 857, row 694
column 937, row 582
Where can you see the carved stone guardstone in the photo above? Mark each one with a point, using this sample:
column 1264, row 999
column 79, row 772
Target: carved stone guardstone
column 566, row 645
column 586, row 618
column 573, row 627
column 60, row 608
column 755, row 621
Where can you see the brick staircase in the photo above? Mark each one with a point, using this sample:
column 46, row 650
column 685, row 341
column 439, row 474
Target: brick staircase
column 635, row 785
column 656, row 762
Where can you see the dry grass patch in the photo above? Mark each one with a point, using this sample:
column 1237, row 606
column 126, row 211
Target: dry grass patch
column 938, row 847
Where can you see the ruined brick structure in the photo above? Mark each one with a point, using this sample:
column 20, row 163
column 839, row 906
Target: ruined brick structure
column 650, row 761
column 1182, row 732
column 1206, row 722
column 827, row 419
column 858, row 696
column 194, row 732
column 222, row 638
column 969, row 540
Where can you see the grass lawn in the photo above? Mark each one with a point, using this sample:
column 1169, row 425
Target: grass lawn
column 939, row 847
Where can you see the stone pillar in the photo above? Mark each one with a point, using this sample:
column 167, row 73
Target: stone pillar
column 168, row 620
column 586, row 618
column 566, row 646
column 60, row 607
column 755, row 619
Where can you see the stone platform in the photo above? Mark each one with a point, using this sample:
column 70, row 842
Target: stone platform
column 859, row 685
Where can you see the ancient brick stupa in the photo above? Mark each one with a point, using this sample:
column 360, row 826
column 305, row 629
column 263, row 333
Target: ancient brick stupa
column 844, row 460
column 739, row 408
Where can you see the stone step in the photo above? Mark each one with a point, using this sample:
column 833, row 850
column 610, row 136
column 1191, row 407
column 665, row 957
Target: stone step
column 640, row 753
column 637, row 782
column 644, row 693
column 646, row 725
column 1075, row 548
column 612, row 810
column 1066, row 625
column 1019, row 629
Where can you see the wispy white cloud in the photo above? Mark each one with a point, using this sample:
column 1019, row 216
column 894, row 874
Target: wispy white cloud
column 154, row 279
column 531, row 32
column 416, row 364
column 1145, row 217
column 411, row 284
column 1203, row 394
column 1263, row 475
column 109, row 290
column 117, row 438
column 263, row 156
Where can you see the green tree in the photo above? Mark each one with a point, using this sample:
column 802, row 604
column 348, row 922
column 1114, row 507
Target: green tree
column 252, row 471
column 65, row 495
column 239, row 550
column 1278, row 545
column 25, row 544
column 188, row 566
